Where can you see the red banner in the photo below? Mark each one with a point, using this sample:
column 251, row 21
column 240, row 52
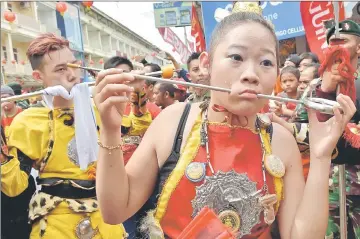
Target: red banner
column 313, row 13
column 196, row 31
column 170, row 37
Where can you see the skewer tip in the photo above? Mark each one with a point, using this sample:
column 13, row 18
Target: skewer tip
column 73, row 65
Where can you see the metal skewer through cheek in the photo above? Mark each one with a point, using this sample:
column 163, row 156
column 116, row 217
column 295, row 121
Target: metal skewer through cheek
column 149, row 77
column 141, row 77
column 324, row 107
column 318, row 104
column 321, row 105
column 184, row 83
column 156, row 73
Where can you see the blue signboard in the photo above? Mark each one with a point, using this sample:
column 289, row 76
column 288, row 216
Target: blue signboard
column 285, row 16
column 172, row 14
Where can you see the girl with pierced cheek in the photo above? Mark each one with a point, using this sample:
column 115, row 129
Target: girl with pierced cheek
column 234, row 164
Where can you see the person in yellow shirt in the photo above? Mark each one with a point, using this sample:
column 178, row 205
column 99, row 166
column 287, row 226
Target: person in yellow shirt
column 44, row 138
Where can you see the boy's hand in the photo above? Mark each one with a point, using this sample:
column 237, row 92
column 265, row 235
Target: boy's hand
column 277, row 108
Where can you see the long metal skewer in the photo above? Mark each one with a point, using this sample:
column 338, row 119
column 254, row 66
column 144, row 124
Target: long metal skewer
column 199, row 85
column 156, row 79
column 156, row 73
column 161, row 80
column 83, row 67
column 315, row 105
column 270, row 97
column 32, row 94
column 342, row 171
column 141, row 77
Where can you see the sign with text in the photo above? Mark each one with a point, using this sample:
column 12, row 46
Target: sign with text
column 314, row 14
column 285, row 16
column 170, row 37
column 172, row 14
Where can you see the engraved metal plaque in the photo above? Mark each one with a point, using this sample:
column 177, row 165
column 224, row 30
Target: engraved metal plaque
column 230, row 191
column 72, row 152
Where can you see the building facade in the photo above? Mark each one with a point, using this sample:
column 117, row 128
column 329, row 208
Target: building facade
column 104, row 37
column 16, row 36
column 101, row 37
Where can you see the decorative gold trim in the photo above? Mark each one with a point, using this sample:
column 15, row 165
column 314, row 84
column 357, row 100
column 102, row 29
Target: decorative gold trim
column 247, row 7
column 278, row 182
column 232, row 126
column 51, row 142
column 295, row 134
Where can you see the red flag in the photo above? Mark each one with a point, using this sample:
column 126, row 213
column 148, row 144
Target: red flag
column 196, row 31
column 313, row 13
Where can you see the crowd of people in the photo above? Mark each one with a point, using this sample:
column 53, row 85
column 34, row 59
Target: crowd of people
column 143, row 110
column 171, row 161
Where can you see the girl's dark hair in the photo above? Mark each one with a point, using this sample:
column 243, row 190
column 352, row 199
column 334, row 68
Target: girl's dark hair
column 292, row 70
column 233, row 20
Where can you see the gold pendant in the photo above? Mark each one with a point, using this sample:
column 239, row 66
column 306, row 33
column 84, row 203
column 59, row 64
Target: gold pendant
column 230, row 219
column 195, row 172
column 84, row 229
column 274, row 166
column 264, row 120
column 267, row 202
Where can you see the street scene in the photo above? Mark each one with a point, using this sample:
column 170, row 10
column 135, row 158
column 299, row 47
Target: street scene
column 180, row 120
